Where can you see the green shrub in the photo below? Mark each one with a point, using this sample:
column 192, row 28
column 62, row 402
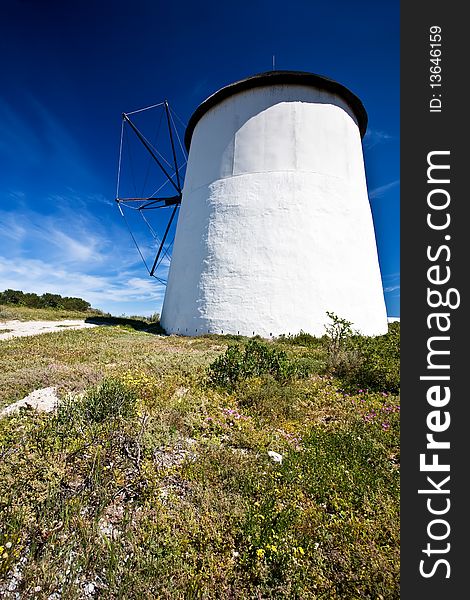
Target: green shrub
column 342, row 358
column 301, row 339
column 379, row 367
column 254, row 359
column 363, row 361
column 11, row 297
column 72, row 303
column 110, row 400
column 32, row 300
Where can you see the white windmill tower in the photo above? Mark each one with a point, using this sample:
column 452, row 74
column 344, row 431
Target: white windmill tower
column 275, row 226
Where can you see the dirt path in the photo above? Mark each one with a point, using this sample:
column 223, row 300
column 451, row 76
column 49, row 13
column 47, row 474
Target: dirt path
column 10, row 329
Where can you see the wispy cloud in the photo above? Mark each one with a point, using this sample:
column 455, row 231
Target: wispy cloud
column 392, row 284
column 75, row 253
column 101, row 290
column 373, row 137
column 10, row 228
column 65, row 238
column 381, row 190
column 18, row 138
column 199, row 87
column 35, row 138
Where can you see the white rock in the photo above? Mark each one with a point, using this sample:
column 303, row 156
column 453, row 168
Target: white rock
column 44, row 399
column 275, row 457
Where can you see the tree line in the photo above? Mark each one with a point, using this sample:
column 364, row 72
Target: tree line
column 44, row 301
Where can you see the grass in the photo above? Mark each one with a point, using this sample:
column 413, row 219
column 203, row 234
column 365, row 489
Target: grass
column 73, row 360
column 12, row 312
column 156, row 481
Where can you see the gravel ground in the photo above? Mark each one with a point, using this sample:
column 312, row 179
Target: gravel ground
column 23, row 328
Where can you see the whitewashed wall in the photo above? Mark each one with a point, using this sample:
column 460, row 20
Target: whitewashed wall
column 275, row 226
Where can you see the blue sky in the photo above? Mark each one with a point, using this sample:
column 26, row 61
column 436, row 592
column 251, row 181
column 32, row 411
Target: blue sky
column 70, row 68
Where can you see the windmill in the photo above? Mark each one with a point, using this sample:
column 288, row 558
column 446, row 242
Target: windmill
column 275, row 227
column 138, row 149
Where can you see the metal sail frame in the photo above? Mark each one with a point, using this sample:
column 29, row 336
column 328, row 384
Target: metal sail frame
column 153, row 202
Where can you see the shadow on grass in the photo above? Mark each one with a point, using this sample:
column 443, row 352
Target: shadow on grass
column 137, row 324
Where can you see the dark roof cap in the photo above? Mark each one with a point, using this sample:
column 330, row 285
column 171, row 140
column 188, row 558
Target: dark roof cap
column 278, row 78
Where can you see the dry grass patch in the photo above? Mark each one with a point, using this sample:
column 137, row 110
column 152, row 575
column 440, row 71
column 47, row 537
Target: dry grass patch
column 12, row 312
column 73, row 360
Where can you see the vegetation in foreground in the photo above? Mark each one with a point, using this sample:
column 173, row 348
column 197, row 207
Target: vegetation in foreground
column 156, row 481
